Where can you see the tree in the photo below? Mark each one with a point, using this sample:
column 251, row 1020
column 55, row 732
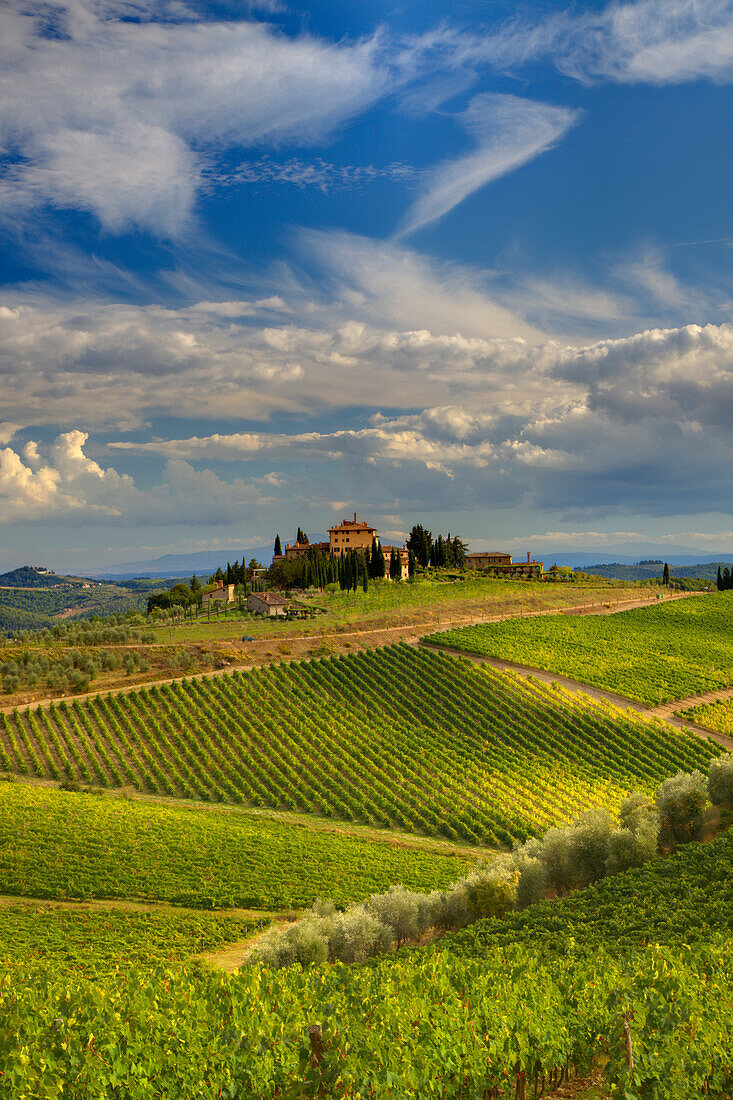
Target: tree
column 665, row 575
column 411, row 563
column 420, row 542
column 301, row 537
column 719, row 581
column 395, row 569
column 195, row 584
column 277, row 549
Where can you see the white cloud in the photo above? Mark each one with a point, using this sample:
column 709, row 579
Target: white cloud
column 320, row 174
column 69, row 487
column 650, row 41
column 642, row 420
column 113, row 115
column 508, row 132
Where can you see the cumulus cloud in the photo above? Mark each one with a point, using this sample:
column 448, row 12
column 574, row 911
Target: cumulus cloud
column 641, row 420
column 116, row 116
column 508, row 132
column 67, row 486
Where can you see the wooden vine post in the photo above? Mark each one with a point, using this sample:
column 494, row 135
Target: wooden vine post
column 629, row 1050
column 315, row 1036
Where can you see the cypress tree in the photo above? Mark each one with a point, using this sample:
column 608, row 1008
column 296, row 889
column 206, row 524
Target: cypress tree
column 665, row 575
column 277, row 550
column 718, row 583
column 365, row 580
column 411, row 563
column 726, row 579
column 394, row 565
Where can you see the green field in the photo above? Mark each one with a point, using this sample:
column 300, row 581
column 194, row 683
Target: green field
column 96, row 942
column 491, row 1012
column 387, row 604
column 56, row 844
column 717, row 716
column 400, row 737
column 653, row 654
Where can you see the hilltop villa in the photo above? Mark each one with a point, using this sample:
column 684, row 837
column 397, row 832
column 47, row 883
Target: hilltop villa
column 353, row 534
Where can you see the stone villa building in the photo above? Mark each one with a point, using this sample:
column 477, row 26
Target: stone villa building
column 353, row 534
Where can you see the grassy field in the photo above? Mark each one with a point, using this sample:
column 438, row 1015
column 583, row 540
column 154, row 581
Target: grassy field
column 57, row 844
column 399, row 737
column 387, row 604
column 653, row 655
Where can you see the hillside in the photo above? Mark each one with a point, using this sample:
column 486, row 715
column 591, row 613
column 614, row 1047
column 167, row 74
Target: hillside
column 502, row 1010
column 399, row 737
column 27, row 577
column 653, row 655
column 642, row 571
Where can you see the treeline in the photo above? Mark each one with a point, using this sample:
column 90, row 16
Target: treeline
column 439, row 553
column 564, row 859
column 355, row 569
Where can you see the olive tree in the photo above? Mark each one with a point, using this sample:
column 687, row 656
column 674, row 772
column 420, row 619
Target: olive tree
column 680, row 801
column 720, row 781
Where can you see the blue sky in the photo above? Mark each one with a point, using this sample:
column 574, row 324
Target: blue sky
column 264, row 264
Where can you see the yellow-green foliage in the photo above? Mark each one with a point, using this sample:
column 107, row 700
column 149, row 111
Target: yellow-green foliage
column 651, row 654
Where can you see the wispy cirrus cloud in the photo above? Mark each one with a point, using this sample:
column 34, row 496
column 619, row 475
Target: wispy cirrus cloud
column 508, row 132
column 648, row 41
column 112, row 115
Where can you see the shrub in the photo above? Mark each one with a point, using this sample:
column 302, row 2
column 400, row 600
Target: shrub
column 403, row 911
column 358, row 934
column 491, row 890
column 720, row 781
column 680, row 801
column 532, row 881
column 588, row 847
column 302, row 943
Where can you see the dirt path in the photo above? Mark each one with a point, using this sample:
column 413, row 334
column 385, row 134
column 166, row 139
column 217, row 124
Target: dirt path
column 667, row 710
column 380, row 636
column 229, row 957
column 597, row 693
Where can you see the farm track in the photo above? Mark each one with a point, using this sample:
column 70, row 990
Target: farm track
column 393, row 634
column 665, row 712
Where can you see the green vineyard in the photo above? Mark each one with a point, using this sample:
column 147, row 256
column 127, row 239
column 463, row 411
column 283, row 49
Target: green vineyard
column 497, row 1011
column 94, row 943
column 397, row 737
column 652, row 655
column 716, row 716
column 57, row 844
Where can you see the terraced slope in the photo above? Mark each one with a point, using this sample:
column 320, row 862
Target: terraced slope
column 397, row 737
column 652, row 654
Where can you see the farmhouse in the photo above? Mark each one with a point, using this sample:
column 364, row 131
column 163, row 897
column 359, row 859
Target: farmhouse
column 271, row 604
column 223, row 594
column 350, row 535
column 502, row 563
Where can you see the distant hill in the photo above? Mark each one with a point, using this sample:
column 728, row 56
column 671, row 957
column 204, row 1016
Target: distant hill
column 27, row 577
column 640, row 571
column 176, row 566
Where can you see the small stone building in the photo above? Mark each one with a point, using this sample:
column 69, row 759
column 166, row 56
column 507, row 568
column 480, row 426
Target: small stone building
column 223, row 594
column 271, row 604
